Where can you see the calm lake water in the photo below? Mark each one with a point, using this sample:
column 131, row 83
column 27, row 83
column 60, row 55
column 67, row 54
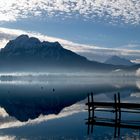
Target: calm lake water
column 53, row 107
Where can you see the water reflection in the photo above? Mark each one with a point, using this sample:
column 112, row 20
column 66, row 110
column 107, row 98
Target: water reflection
column 133, row 124
column 7, row 138
column 28, row 101
column 36, row 109
column 9, row 122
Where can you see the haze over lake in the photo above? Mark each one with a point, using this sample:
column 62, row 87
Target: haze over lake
column 54, row 107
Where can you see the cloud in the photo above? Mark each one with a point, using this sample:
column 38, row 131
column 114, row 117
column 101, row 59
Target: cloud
column 137, row 61
column 90, row 51
column 127, row 11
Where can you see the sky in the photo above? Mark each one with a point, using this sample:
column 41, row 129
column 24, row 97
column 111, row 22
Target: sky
column 96, row 29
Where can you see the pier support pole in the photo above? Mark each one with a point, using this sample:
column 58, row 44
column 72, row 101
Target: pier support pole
column 89, row 116
column 92, row 101
column 116, row 115
column 119, row 109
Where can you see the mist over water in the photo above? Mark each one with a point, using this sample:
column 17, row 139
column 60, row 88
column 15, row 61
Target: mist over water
column 52, row 106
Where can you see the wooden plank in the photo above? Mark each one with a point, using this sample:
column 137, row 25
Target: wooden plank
column 111, row 105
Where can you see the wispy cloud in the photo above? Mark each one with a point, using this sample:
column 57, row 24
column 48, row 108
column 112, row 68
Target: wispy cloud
column 137, row 61
column 90, row 51
column 127, row 11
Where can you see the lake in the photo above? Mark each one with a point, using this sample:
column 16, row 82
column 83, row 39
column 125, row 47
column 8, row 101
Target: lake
column 52, row 106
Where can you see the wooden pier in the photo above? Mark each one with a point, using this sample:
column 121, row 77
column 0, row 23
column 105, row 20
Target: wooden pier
column 115, row 107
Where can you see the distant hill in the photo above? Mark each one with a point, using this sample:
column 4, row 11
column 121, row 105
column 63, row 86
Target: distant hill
column 116, row 60
column 30, row 54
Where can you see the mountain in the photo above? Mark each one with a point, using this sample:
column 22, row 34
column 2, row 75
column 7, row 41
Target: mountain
column 116, row 60
column 30, row 54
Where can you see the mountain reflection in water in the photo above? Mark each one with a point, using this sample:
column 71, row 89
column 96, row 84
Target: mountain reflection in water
column 33, row 102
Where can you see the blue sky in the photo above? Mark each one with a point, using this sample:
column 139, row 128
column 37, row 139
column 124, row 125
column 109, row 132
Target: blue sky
column 101, row 27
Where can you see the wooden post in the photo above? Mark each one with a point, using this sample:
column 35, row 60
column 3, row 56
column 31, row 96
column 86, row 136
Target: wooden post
column 92, row 100
column 115, row 106
column 116, row 114
column 89, row 107
column 119, row 109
